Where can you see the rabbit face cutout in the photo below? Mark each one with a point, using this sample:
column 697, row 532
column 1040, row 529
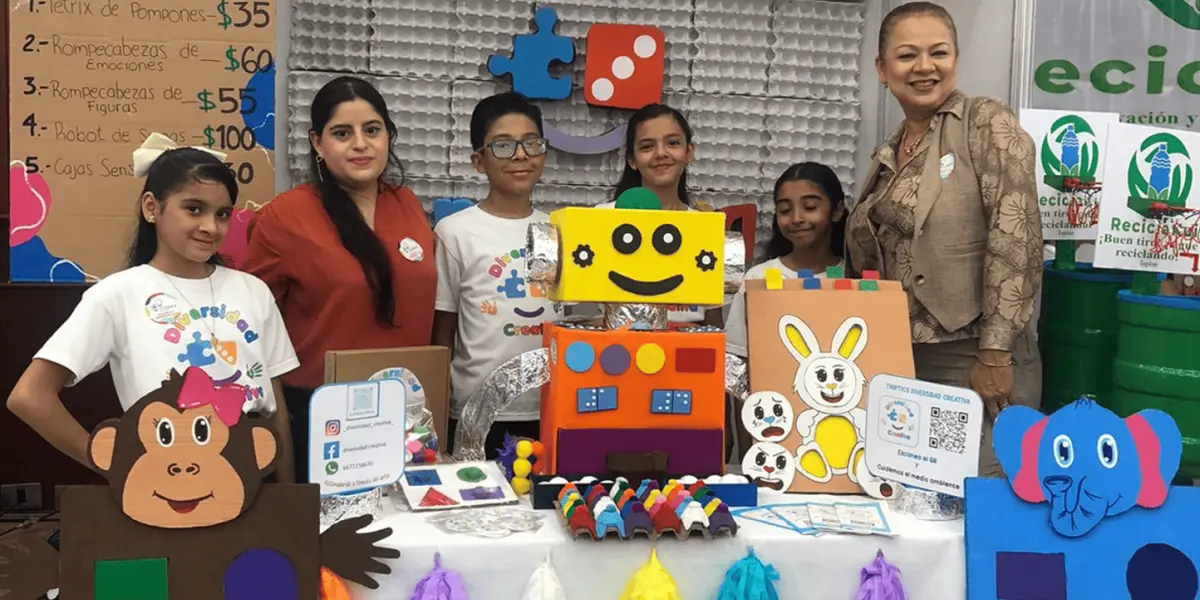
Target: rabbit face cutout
column 768, row 416
column 829, row 382
column 769, row 465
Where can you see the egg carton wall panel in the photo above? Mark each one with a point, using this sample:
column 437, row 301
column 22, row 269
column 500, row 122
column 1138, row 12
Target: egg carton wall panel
column 731, row 61
column 550, row 197
column 416, row 39
column 427, row 190
column 330, row 35
column 575, row 17
column 815, row 50
column 489, row 27
column 464, row 96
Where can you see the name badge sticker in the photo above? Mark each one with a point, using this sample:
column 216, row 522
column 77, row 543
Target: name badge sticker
column 410, row 249
column 947, row 166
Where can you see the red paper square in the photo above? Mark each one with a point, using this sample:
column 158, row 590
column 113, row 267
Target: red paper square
column 624, row 66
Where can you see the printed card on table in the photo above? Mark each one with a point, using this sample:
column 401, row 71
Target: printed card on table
column 1149, row 207
column 923, row 434
column 357, row 435
column 1070, row 158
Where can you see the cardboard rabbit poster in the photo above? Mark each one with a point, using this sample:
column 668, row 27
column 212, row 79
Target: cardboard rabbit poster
column 814, row 345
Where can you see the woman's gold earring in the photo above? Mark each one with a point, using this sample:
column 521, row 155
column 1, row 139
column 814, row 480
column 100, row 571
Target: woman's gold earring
column 320, row 159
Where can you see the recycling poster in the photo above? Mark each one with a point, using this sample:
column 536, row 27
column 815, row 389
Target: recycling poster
column 89, row 80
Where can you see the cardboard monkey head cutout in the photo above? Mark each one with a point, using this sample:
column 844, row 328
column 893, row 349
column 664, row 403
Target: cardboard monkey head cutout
column 184, row 455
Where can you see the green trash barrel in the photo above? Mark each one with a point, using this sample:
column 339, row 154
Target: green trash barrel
column 1077, row 333
column 1158, row 364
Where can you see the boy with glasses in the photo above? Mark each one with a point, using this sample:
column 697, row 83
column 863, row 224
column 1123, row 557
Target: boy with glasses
column 487, row 311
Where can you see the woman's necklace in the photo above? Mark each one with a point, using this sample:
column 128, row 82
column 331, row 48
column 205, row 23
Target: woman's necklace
column 910, row 148
column 212, row 318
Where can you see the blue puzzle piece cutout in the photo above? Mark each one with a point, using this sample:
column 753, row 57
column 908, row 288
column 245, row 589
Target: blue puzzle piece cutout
column 444, row 207
column 199, row 352
column 531, row 58
column 423, row 477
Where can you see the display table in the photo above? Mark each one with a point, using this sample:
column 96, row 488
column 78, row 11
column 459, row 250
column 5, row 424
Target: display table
column 929, row 555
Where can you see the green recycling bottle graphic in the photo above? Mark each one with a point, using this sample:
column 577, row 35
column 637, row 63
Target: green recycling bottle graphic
column 1069, row 152
column 1160, row 176
column 1184, row 12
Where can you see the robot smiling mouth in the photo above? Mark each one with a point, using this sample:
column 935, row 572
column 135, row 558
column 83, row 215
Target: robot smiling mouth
column 530, row 314
column 645, row 288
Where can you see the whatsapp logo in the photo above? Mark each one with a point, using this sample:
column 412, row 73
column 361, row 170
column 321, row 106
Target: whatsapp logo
column 1184, row 12
column 1069, row 149
column 1161, row 170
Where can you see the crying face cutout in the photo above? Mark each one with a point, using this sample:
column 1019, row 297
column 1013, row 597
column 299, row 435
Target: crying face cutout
column 767, row 416
column 769, row 465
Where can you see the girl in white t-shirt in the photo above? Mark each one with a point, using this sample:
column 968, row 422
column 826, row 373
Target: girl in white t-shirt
column 808, row 233
column 658, row 149
column 174, row 307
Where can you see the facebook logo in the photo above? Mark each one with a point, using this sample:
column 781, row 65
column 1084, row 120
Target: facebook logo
column 333, row 450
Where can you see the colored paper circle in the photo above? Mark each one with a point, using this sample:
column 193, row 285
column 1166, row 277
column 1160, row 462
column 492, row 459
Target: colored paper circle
column 471, row 474
column 261, row 574
column 614, row 360
column 579, row 357
column 651, row 358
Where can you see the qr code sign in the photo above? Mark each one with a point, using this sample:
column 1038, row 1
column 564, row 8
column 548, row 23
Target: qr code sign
column 948, row 430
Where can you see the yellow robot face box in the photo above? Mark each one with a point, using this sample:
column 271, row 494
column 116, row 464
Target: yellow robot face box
column 635, row 256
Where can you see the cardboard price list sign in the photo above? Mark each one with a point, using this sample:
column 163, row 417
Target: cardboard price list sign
column 90, row 80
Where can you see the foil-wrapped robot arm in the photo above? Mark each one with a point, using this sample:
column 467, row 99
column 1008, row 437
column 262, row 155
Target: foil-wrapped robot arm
column 527, row 371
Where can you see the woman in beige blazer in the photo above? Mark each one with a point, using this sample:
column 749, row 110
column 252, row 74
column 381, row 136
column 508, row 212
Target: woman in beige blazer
column 949, row 208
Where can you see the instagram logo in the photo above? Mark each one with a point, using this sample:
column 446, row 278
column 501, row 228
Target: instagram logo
column 333, row 427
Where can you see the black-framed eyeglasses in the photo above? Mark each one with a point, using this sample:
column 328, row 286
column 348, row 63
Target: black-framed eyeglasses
column 505, row 149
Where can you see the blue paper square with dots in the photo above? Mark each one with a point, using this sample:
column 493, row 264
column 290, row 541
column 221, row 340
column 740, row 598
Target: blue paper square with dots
column 606, row 398
column 422, row 477
column 587, row 399
column 681, row 402
column 812, row 283
column 531, row 58
column 661, row 401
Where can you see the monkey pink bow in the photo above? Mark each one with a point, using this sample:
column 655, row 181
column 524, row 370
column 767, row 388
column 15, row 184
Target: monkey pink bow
column 154, row 147
column 198, row 390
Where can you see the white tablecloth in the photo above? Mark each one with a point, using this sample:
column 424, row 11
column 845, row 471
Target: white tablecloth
column 929, row 554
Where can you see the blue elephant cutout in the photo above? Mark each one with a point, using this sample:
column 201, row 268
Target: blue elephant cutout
column 1087, row 462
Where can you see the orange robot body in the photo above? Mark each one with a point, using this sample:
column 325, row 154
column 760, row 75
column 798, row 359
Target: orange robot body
column 633, row 392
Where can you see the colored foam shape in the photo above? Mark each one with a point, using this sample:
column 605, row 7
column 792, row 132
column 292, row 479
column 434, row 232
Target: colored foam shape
column 868, row 285
column 579, row 357
column 531, row 58
column 639, row 198
column 571, row 144
column 834, row 272
column 870, row 274
column 615, row 360
column 639, row 48
column 1121, row 463
column 651, row 358
column 805, row 274
column 32, row 262
column 234, row 246
column 261, row 120
column 774, row 279
column 695, row 360
column 812, row 283
column 1139, row 554
column 138, row 579
column 444, row 207
column 742, row 218
column 29, row 203
column 261, row 574
column 690, row 450
column 639, row 256
column 423, row 477
column 843, row 284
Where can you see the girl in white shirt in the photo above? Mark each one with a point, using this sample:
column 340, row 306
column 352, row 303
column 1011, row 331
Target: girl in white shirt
column 174, row 307
column 808, row 233
column 658, row 149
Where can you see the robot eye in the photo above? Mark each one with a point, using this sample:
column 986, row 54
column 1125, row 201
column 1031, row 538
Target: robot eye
column 626, row 239
column 667, row 239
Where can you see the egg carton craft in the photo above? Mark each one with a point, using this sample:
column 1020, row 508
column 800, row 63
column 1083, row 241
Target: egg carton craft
column 597, row 512
column 734, row 490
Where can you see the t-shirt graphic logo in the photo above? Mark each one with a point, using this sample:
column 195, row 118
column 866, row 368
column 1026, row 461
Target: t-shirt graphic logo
column 162, row 308
column 514, row 287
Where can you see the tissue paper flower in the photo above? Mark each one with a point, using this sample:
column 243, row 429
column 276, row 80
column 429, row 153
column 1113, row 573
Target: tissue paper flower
column 29, row 203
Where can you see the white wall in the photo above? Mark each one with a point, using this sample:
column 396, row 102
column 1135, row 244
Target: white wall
column 985, row 37
column 984, row 32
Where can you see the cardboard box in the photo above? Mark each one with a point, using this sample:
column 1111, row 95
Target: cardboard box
column 431, row 364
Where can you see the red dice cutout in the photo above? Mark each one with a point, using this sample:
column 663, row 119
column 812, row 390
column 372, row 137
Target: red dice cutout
column 624, row 67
